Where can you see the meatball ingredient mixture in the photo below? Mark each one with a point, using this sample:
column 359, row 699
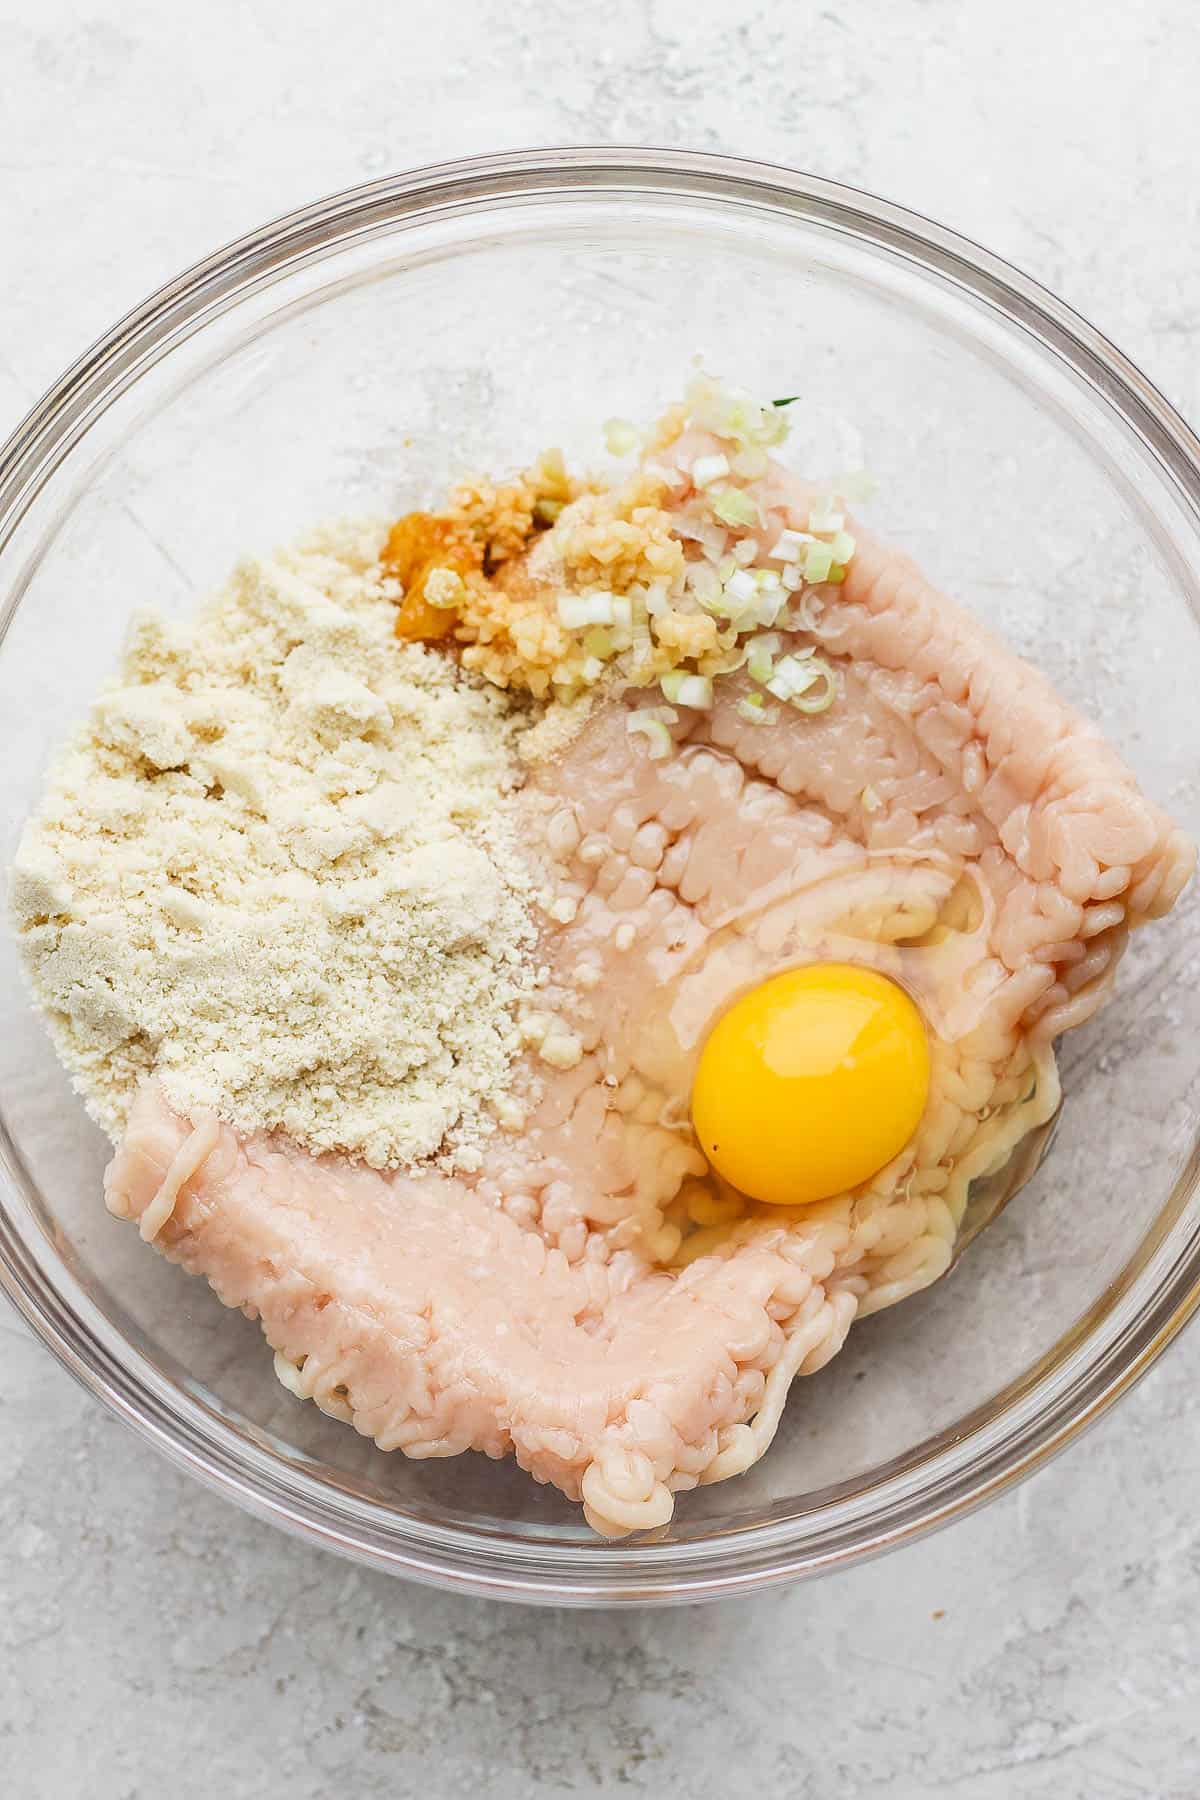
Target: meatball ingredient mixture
column 768, row 747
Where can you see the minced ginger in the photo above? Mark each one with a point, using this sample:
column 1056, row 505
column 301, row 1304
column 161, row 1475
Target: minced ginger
column 441, row 558
column 487, row 568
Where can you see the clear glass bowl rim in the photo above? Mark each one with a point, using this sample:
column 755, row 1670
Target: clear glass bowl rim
column 988, row 1452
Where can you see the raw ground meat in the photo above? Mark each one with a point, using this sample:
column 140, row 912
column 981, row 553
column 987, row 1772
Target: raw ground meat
column 593, row 1303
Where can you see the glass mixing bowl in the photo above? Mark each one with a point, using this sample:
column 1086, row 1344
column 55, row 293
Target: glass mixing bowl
column 348, row 359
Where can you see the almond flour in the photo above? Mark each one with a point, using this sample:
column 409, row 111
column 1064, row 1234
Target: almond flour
column 278, row 869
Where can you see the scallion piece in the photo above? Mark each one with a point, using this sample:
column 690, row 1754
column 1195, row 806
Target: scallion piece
column 751, row 463
column 818, row 560
column 733, row 507
column 760, row 656
column 804, row 613
column 795, row 674
column 741, row 588
column 704, row 582
column 826, row 690
column 789, row 545
column 754, row 709
column 688, row 690
column 658, row 739
column 824, row 517
column 707, row 469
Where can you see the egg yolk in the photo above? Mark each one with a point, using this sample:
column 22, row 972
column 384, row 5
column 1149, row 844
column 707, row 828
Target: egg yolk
column 811, row 1082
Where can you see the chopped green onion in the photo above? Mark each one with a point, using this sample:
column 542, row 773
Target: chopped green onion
column 806, row 701
column 620, row 437
column 770, row 608
column 795, row 674
column 659, row 742
column 789, row 545
column 688, row 524
column 715, row 605
column 788, row 400
column 577, row 610
column 667, row 473
column 739, row 417
column 733, row 507
column 818, row 560
column 713, row 405
column 718, row 608
column 772, row 598
column 823, row 517
column 805, row 613
column 760, row 656
column 688, row 690
column 731, row 413
column 713, row 539
column 751, row 463
column 753, row 708
column 741, row 587
column 745, row 619
column 703, row 581
column 707, row 469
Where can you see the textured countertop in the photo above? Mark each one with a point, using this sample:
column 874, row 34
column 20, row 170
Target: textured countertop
column 152, row 1640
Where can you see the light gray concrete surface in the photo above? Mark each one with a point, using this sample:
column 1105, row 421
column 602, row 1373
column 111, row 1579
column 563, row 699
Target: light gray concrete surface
column 152, row 1640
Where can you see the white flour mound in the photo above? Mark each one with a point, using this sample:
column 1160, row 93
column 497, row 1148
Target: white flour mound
column 278, row 868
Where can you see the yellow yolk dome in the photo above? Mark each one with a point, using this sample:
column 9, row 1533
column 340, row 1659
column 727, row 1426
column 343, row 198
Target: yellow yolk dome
column 811, row 1082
